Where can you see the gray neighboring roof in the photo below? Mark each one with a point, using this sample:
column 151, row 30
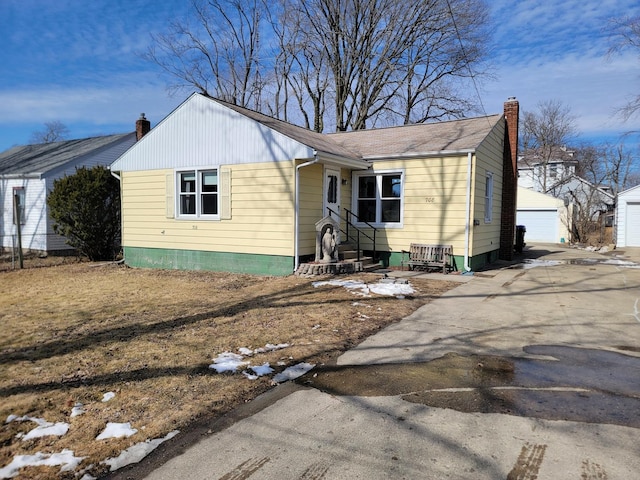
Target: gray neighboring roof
column 418, row 139
column 40, row 158
column 575, row 178
column 531, row 158
column 318, row 141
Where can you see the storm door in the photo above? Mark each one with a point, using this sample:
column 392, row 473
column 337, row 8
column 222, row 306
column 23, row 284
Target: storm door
column 332, row 192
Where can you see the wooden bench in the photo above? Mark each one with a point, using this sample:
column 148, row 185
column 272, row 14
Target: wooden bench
column 424, row 256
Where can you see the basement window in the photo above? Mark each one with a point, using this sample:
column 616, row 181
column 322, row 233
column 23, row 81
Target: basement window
column 198, row 194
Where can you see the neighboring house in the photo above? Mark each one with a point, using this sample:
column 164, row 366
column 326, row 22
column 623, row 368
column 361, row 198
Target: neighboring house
column 589, row 198
column 539, row 174
column 219, row 187
column 546, row 218
column 628, row 218
column 29, row 171
column 590, row 206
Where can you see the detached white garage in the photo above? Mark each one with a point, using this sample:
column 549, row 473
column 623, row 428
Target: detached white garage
column 628, row 218
column 544, row 216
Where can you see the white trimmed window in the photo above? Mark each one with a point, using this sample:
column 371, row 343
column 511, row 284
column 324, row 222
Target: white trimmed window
column 378, row 198
column 198, row 194
column 488, row 198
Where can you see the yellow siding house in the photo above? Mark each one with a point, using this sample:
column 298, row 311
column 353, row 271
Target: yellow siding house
column 215, row 186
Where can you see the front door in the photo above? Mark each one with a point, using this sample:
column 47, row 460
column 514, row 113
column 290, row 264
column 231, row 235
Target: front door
column 331, row 192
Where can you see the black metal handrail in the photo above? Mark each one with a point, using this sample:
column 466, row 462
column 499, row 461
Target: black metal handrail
column 359, row 232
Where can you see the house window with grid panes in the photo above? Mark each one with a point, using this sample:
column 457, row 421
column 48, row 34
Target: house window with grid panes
column 378, row 198
column 198, row 194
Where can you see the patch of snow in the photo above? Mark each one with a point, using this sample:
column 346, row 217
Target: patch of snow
column 615, row 261
column 532, row 263
column 245, row 351
column 108, row 396
column 25, row 418
column 363, row 289
column 270, row 347
column 261, row 370
column 43, row 429
column 137, row 452
column 293, row 372
column 360, row 304
column 65, row 458
column 258, row 371
column 78, row 409
column 227, row 362
column 117, row 430
column 56, row 429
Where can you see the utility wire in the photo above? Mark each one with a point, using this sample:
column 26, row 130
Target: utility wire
column 464, row 53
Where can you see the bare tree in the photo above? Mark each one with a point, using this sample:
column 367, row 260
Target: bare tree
column 605, row 171
column 54, row 131
column 218, row 53
column 625, row 34
column 363, row 59
column 395, row 58
column 299, row 67
column 450, row 47
column 544, row 134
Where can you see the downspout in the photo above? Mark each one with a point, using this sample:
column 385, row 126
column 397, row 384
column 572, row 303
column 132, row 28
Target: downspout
column 297, row 209
column 117, row 177
column 467, row 227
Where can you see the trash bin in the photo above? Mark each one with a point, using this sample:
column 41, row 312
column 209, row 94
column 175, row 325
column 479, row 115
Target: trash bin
column 520, row 231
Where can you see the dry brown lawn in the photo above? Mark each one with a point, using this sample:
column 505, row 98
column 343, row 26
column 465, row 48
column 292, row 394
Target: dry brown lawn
column 74, row 331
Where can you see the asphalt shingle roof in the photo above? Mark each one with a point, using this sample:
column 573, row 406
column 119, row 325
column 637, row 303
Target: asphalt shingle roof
column 40, row 158
column 319, row 141
column 452, row 135
column 416, row 139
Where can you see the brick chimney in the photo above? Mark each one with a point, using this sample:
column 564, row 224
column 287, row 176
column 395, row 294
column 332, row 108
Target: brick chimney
column 510, row 178
column 142, row 126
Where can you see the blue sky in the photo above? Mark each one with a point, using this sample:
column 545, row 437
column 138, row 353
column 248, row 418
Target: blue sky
column 76, row 62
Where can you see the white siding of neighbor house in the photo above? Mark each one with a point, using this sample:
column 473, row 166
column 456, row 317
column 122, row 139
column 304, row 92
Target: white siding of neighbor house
column 628, row 218
column 203, row 132
column 34, row 225
column 37, row 227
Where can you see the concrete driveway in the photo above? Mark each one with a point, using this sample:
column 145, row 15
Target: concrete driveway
column 525, row 372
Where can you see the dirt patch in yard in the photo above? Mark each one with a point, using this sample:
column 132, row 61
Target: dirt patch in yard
column 73, row 332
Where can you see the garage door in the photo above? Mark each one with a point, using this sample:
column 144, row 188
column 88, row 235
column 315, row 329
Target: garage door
column 633, row 225
column 542, row 225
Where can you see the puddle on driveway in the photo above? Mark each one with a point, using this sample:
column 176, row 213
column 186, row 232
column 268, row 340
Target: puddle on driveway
column 543, row 262
column 584, row 385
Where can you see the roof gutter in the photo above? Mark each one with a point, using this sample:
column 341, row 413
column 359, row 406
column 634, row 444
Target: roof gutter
column 19, row 176
column 435, row 153
column 296, row 219
column 337, row 160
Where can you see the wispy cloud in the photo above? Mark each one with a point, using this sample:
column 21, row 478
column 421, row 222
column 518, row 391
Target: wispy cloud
column 557, row 50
